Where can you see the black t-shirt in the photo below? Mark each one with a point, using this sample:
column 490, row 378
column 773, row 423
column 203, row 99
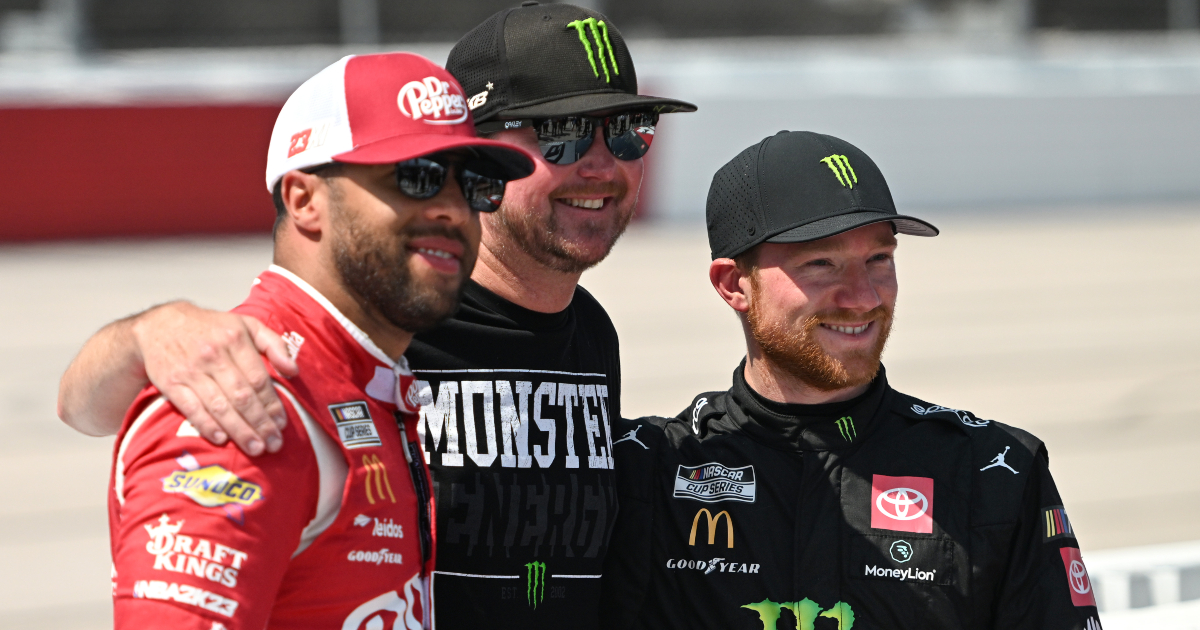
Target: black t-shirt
column 515, row 423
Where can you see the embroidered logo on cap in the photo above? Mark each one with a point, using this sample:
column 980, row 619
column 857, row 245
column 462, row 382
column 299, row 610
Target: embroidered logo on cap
column 433, row 102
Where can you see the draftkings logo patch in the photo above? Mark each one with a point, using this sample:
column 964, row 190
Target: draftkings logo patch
column 354, row 425
column 713, row 482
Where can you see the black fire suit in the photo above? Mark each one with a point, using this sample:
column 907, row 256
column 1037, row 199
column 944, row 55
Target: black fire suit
column 882, row 512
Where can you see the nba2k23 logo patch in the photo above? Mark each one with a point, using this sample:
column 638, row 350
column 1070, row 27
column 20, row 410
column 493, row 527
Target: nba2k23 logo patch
column 902, row 504
column 715, row 482
column 354, row 425
column 599, row 34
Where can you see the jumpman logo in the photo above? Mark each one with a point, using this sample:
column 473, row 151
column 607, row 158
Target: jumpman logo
column 632, row 435
column 998, row 460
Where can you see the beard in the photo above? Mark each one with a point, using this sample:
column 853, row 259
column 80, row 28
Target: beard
column 375, row 268
column 794, row 349
column 545, row 240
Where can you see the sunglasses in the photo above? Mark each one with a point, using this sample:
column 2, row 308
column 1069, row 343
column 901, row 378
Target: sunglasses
column 423, row 178
column 564, row 139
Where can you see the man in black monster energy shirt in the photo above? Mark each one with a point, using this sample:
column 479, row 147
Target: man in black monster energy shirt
column 518, row 390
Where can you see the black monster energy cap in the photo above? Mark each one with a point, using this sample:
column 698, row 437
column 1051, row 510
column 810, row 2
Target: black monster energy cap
column 545, row 60
column 798, row 186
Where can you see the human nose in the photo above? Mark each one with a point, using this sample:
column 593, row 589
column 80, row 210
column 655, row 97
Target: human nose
column 450, row 205
column 858, row 291
column 598, row 162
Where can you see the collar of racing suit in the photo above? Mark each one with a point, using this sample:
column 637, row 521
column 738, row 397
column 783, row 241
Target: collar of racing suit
column 795, row 427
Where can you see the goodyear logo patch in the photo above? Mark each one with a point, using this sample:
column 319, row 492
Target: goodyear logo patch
column 354, row 424
column 212, row 486
column 714, row 482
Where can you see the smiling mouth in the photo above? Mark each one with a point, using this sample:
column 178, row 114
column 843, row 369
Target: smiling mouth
column 590, row 204
column 849, row 330
column 440, row 253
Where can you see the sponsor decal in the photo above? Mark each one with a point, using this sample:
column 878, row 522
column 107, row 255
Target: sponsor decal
column 362, row 520
column 1077, row 577
column 965, row 417
column 535, row 583
column 998, row 461
column 390, row 610
column 383, row 556
column 186, row 429
column 1057, row 525
column 908, row 574
column 841, row 168
column 696, row 415
column 712, row 527
column 299, row 142
column 387, row 529
column 293, row 341
column 632, row 436
column 902, row 504
column 184, row 594
column 1092, row 624
column 432, row 101
column 901, row 551
column 355, row 427
column 212, row 486
column 713, row 482
column 190, row 555
column 805, row 612
column 217, row 625
column 376, row 476
column 845, row 426
column 715, row 565
column 599, row 32
column 477, row 101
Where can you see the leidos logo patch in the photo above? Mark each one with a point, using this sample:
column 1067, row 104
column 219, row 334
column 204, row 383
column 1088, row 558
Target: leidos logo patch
column 433, row 102
column 212, row 486
column 902, row 504
column 599, row 32
column 354, row 425
column 715, row 482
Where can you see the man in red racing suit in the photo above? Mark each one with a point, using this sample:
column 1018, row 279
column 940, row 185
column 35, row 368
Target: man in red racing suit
column 335, row 533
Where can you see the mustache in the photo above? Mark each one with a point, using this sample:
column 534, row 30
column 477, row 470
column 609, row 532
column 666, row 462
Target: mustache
column 606, row 189
column 842, row 317
column 437, row 230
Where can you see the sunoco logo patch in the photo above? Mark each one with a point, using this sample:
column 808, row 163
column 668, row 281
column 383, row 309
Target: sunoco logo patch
column 715, row 482
column 212, row 486
column 354, row 425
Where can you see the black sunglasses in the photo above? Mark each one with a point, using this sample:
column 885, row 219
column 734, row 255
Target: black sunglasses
column 423, row 178
column 564, row 139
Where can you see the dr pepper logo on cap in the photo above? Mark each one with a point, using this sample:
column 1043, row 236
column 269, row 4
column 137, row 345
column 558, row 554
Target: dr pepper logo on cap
column 433, row 102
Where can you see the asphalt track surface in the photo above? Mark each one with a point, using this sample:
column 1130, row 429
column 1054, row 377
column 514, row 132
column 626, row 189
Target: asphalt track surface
column 1075, row 323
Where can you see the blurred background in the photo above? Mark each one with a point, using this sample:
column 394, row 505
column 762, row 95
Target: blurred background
column 1055, row 142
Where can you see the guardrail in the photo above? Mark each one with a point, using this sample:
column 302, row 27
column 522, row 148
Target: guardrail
column 1141, row 577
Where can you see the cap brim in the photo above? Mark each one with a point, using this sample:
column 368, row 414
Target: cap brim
column 592, row 103
column 832, row 226
column 497, row 159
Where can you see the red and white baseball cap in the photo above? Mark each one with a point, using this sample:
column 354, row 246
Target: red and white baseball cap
column 379, row 109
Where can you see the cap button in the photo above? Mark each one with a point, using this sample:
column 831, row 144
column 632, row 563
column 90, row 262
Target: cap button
column 529, row 3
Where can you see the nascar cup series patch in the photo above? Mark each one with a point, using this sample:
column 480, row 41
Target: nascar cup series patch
column 714, row 482
column 354, row 424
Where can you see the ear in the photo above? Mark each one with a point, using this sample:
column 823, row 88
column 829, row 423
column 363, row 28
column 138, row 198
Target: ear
column 731, row 284
column 305, row 206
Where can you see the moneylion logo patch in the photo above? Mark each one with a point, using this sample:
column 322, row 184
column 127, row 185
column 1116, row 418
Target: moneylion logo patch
column 715, row 482
column 212, row 486
column 599, row 32
column 806, row 612
column 535, row 583
column 841, row 168
column 845, row 426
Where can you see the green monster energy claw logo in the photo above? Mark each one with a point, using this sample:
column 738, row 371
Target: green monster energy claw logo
column 806, row 612
column 845, row 426
column 842, row 170
column 535, row 583
column 599, row 31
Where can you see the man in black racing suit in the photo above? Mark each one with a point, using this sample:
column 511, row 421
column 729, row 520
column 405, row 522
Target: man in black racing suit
column 811, row 494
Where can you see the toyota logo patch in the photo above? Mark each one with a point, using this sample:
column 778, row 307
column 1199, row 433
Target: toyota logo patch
column 902, row 504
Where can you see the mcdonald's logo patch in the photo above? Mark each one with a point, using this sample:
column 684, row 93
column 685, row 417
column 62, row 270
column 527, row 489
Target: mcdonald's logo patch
column 840, row 165
column 355, row 427
column 712, row 527
column 212, row 486
column 1056, row 524
column 376, row 480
